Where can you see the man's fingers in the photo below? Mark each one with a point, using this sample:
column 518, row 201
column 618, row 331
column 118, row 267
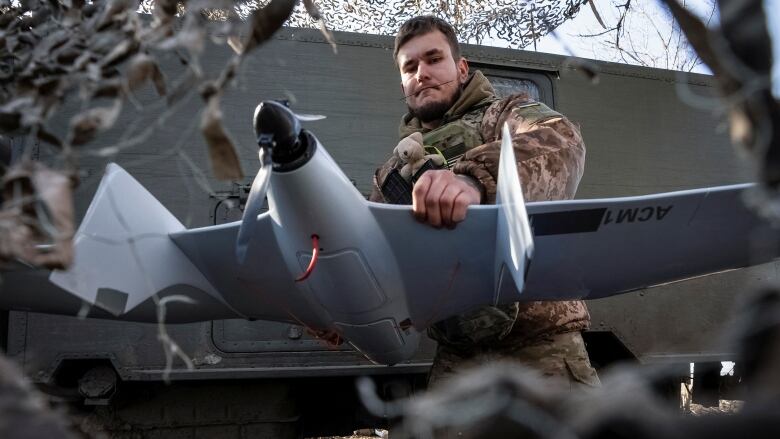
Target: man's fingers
column 419, row 193
column 460, row 205
column 446, row 204
column 468, row 197
column 433, row 210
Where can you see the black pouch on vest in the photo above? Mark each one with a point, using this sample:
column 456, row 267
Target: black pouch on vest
column 396, row 190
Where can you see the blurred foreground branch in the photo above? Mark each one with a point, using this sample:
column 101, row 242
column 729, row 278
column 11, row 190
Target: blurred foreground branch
column 509, row 400
column 94, row 56
column 24, row 413
column 739, row 53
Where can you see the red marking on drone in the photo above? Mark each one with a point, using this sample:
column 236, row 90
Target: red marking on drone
column 315, row 253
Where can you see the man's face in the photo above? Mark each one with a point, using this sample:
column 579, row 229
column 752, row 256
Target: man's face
column 430, row 78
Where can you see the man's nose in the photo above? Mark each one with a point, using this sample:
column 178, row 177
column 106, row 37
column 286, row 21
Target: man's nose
column 422, row 72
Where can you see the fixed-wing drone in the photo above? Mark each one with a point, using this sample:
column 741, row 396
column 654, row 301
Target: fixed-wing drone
column 324, row 257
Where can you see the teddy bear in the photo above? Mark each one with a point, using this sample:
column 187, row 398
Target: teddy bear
column 410, row 151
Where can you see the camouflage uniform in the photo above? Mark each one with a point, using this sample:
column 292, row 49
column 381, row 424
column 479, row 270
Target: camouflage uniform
column 550, row 154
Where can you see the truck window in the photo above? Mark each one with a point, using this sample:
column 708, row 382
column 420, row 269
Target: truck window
column 538, row 84
column 509, row 86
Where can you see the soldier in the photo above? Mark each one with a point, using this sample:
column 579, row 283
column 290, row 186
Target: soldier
column 459, row 114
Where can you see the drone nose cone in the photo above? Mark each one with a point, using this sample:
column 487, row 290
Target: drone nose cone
column 279, row 130
column 273, row 122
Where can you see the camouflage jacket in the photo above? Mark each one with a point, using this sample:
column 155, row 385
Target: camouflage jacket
column 550, row 155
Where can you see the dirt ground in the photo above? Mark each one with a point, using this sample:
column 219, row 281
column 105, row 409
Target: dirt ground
column 348, row 437
column 361, row 434
column 725, row 407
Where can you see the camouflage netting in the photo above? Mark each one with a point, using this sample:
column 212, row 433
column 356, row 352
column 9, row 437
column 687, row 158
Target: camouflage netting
column 517, row 22
column 95, row 55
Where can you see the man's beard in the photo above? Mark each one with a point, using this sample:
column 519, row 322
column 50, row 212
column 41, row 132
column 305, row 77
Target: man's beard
column 434, row 111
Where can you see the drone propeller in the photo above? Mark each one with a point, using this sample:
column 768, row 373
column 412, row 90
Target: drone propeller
column 283, row 147
column 254, row 204
column 309, row 117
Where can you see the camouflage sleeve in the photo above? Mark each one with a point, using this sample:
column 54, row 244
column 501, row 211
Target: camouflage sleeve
column 549, row 150
column 379, row 177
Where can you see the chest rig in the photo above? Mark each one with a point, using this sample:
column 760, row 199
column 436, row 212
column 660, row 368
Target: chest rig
column 453, row 139
column 449, row 141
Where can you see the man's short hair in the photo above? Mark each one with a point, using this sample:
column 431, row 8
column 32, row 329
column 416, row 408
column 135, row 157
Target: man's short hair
column 421, row 25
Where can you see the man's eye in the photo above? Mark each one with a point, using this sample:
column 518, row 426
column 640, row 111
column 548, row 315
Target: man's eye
column 435, row 59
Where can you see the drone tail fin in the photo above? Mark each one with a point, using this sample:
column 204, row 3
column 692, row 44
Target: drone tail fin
column 124, row 256
column 514, row 238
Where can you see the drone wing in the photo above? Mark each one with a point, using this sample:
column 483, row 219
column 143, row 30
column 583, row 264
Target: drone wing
column 599, row 248
column 562, row 250
column 126, row 263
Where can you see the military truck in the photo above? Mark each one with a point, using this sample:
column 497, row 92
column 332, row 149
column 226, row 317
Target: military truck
column 646, row 130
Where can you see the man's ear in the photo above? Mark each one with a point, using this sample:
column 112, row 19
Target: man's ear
column 463, row 69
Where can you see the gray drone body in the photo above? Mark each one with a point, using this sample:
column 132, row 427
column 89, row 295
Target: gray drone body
column 380, row 277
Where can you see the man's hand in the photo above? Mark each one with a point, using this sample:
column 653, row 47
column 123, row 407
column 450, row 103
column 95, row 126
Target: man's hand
column 440, row 198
